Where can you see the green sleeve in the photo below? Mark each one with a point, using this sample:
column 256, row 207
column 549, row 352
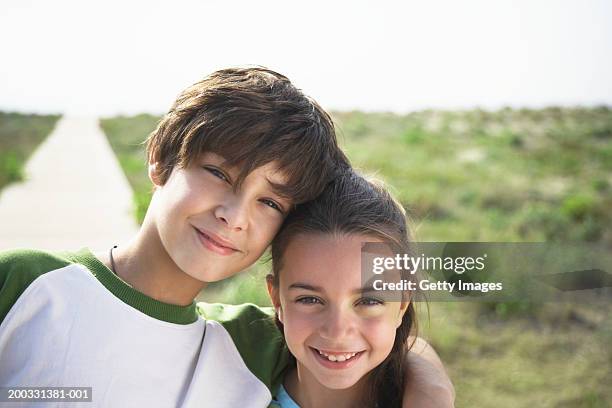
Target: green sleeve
column 18, row 269
column 258, row 340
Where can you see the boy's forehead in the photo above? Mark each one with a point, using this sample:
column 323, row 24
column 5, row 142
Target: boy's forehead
column 271, row 171
column 275, row 176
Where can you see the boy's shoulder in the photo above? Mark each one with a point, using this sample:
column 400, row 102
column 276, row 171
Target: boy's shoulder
column 32, row 261
column 255, row 335
column 20, row 267
column 226, row 313
column 246, row 323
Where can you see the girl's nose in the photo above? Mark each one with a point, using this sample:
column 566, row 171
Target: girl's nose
column 336, row 324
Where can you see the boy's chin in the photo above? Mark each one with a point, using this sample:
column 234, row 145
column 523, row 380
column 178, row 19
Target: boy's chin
column 206, row 269
column 211, row 275
column 207, row 278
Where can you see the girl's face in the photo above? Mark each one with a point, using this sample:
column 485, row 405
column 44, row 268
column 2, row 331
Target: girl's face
column 337, row 332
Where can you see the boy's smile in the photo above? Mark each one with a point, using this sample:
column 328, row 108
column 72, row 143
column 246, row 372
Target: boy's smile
column 210, row 229
column 215, row 243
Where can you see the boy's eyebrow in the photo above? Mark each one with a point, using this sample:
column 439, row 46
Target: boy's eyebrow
column 276, row 186
column 280, row 189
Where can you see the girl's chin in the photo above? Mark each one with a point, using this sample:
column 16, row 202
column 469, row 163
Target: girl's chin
column 337, row 384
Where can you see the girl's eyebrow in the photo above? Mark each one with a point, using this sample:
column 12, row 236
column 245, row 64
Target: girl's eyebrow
column 305, row 286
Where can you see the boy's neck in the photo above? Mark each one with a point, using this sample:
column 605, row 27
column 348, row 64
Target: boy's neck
column 145, row 265
column 307, row 392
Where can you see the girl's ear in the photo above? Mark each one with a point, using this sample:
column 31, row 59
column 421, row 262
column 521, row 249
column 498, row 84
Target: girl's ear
column 154, row 174
column 402, row 311
column 273, row 292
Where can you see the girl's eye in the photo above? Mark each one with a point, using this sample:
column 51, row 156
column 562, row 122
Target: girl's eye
column 272, row 204
column 309, row 300
column 217, row 173
column 370, row 302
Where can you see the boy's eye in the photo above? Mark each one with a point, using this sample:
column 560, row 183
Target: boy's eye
column 272, row 204
column 309, row 300
column 370, row 302
column 217, row 173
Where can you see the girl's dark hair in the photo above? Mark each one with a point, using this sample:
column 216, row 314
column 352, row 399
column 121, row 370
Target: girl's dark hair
column 353, row 205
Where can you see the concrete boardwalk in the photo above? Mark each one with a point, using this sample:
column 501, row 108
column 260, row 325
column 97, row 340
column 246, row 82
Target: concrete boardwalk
column 75, row 194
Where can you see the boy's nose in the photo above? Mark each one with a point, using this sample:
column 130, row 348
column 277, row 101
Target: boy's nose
column 234, row 214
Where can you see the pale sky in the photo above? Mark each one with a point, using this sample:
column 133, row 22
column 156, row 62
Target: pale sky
column 108, row 57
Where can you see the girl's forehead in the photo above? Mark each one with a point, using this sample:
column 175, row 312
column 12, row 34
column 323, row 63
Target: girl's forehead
column 324, row 261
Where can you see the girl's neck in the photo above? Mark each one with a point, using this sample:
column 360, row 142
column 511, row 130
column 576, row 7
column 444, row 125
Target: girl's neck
column 307, row 392
column 146, row 266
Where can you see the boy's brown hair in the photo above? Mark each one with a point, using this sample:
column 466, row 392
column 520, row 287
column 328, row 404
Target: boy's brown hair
column 251, row 117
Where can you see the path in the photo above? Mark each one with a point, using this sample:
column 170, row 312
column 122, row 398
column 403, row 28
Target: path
column 75, row 194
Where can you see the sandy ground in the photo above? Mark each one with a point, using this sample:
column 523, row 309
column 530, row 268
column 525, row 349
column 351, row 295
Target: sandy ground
column 75, row 194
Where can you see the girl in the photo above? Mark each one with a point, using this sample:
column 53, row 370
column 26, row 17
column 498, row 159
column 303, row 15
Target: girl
column 348, row 344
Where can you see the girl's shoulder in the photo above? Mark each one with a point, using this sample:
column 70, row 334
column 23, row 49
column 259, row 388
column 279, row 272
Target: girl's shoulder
column 283, row 400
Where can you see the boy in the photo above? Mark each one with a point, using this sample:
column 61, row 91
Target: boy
column 235, row 152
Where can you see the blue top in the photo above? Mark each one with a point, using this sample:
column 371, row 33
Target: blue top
column 283, row 400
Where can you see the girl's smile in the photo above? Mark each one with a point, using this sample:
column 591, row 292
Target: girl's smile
column 337, row 360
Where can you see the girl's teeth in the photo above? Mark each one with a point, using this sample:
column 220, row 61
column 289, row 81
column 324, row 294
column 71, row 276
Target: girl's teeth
column 337, row 357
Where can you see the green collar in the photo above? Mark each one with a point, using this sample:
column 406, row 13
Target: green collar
column 127, row 294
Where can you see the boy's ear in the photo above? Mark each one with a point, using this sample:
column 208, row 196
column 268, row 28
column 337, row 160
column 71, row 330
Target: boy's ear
column 154, row 174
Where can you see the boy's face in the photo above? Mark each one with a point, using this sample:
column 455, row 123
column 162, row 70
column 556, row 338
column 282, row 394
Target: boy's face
column 211, row 231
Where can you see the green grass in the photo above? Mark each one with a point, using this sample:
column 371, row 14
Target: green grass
column 20, row 134
column 559, row 357
column 508, row 175
column 464, row 175
column 126, row 136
